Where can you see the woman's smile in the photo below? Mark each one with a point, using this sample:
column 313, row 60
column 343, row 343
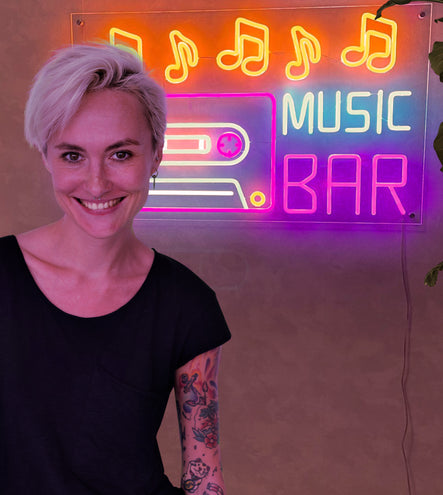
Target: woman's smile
column 99, row 206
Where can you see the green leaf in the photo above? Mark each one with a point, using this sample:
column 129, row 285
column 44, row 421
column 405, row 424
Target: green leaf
column 432, row 275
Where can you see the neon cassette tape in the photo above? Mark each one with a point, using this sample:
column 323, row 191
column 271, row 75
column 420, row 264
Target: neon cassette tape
column 219, row 154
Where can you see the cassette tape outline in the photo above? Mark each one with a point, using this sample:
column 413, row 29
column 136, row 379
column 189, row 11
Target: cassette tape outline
column 272, row 100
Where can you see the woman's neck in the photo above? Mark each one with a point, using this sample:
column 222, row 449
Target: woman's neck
column 64, row 245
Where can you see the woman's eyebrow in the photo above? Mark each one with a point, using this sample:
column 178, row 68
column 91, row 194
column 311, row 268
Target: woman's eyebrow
column 118, row 144
column 124, row 142
column 64, row 146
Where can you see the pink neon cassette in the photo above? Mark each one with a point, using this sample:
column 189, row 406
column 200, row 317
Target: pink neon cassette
column 219, row 154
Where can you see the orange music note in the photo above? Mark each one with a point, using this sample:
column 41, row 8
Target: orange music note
column 185, row 56
column 242, row 60
column 126, row 45
column 370, row 37
column 307, row 50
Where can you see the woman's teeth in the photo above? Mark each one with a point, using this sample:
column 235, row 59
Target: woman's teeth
column 100, row 206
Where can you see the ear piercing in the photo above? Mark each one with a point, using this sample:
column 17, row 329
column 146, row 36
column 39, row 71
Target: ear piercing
column 154, row 176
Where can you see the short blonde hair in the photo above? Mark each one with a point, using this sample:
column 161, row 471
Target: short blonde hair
column 71, row 72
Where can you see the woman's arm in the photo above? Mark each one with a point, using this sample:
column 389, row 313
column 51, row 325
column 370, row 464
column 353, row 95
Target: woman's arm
column 197, row 408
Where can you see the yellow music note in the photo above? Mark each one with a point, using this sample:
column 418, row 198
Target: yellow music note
column 366, row 35
column 307, row 50
column 241, row 60
column 185, row 56
column 124, row 46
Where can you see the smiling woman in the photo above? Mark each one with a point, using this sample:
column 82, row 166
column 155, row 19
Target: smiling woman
column 101, row 162
column 119, row 324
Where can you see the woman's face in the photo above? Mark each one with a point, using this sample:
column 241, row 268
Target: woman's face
column 101, row 163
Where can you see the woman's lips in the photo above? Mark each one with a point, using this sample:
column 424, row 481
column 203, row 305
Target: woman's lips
column 99, row 205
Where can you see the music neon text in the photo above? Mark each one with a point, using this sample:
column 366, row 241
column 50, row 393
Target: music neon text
column 353, row 99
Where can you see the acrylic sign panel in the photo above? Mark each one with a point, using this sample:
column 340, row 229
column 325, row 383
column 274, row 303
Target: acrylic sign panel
column 302, row 115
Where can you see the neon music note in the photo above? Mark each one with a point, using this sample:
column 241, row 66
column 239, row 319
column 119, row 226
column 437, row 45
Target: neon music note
column 185, row 56
column 126, row 35
column 364, row 49
column 307, row 50
column 242, row 60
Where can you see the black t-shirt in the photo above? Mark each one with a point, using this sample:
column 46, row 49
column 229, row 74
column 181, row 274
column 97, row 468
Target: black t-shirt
column 81, row 399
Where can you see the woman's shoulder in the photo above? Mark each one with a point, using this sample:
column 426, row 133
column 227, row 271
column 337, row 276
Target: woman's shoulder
column 8, row 247
column 175, row 273
column 10, row 256
column 8, row 241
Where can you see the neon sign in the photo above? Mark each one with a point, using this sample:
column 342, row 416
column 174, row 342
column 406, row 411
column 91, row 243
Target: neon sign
column 283, row 115
column 260, row 40
column 218, row 165
column 185, row 56
column 115, row 34
column 367, row 36
column 307, row 50
column 289, row 114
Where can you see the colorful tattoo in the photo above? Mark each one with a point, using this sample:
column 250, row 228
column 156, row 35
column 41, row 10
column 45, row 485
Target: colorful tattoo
column 213, row 487
column 205, row 427
column 197, row 408
column 202, row 413
column 201, row 407
column 195, row 473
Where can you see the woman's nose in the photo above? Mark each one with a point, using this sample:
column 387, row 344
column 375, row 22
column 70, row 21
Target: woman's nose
column 97, row 182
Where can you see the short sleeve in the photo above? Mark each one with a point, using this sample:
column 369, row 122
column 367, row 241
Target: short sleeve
column 192, row 321
column 206, row 327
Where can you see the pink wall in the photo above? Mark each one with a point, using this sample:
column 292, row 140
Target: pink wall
column 310, row 385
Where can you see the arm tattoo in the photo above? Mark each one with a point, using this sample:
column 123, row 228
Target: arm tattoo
column 193, row 476
column 213, row 487
column 200, row 408
column 197, row 408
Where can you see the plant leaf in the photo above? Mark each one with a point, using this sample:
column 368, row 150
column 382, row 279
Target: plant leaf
column 432, row 275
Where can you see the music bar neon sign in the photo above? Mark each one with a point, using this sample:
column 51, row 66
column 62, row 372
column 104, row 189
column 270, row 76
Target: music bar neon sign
column 281, row 114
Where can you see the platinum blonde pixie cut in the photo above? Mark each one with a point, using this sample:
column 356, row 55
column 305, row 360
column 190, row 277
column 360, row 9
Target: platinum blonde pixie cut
column 60, row 85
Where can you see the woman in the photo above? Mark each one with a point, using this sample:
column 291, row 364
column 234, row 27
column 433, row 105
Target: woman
column 95, row 327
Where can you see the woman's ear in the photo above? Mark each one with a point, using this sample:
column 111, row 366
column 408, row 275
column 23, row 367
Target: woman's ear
column 158, row 155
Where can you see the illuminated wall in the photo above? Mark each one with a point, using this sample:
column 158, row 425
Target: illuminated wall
column 311, row 399
column 306, row 115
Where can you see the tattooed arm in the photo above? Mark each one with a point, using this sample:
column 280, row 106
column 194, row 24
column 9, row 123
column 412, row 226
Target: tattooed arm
column 197, row 408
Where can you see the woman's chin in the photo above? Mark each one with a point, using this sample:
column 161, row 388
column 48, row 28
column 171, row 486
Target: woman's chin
column 99, row 224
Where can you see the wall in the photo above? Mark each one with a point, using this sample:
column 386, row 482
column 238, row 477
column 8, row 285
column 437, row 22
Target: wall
column 310, row 383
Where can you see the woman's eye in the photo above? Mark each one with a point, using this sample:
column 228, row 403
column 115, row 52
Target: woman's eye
column 71, row 156
column 122, row 155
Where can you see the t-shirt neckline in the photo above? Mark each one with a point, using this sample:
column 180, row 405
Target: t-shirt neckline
column 55, row 308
